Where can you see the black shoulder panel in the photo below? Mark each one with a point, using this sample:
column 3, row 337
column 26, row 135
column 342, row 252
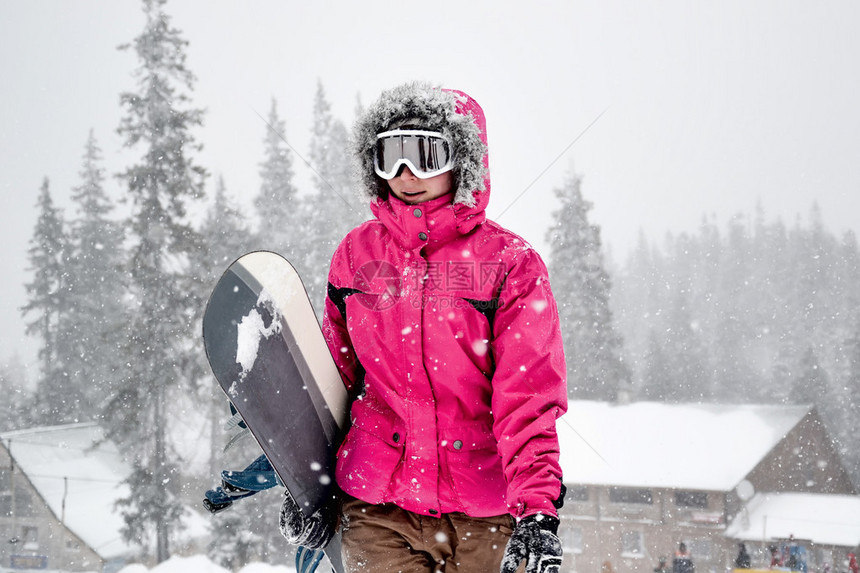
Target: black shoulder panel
column 338, row 297
column 486, row 307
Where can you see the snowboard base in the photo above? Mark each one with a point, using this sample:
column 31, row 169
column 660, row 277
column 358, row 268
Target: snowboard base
column 267, row 351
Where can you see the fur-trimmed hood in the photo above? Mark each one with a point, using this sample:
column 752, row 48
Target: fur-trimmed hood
column 451, row 112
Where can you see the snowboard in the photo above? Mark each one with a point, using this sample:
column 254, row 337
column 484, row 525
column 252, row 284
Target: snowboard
column 267, row 351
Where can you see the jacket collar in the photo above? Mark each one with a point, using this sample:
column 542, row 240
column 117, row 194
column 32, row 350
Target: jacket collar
column 430, row 224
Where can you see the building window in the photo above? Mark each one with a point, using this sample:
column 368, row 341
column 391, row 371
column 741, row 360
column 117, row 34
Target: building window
column 632, row 544
column 691, row 499
column 30, row 537
column 23, row 505
column 577, row 493
column 5, row 504
column 630, row 495
column 571, row 538
column 701, row 548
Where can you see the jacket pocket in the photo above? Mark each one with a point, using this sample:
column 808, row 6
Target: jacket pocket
column 369, row 456
column 474, row 469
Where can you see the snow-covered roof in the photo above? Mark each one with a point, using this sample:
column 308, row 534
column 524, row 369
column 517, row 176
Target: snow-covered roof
column 691, row 446
column 61, row 462
column 820, row 518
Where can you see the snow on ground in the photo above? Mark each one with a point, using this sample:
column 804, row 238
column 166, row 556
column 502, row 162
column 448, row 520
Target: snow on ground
column 202, row 564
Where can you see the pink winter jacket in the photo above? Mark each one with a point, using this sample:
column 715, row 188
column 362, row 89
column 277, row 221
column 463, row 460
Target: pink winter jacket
column 445, row 330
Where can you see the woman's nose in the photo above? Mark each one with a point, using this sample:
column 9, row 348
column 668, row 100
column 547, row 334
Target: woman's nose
column 406, row 173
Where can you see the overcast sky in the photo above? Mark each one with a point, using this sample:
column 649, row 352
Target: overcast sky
column 707, row 107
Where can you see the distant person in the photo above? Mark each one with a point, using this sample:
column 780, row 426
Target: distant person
column 683, row 561
column 742, row 561
column 794, row 556
column 852, row 563
column 790, row 554
column 662, row 567
column 775, row 557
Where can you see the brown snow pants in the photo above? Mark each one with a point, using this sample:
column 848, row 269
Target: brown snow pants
column 386, row 539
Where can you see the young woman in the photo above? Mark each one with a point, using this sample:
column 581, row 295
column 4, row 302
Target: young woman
column 446, row 333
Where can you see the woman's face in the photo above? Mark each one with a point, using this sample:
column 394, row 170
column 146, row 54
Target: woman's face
column 412, row 190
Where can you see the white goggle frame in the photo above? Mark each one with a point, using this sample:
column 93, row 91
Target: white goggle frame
column 434, row 137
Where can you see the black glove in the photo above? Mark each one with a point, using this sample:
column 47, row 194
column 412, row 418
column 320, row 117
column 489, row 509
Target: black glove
column 313, row 532
column 535, row 539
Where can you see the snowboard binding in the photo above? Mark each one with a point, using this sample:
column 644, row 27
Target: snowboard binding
column 258, row 476
column 235, row 485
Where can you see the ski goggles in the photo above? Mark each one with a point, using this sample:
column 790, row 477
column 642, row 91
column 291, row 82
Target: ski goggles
column 426, row 153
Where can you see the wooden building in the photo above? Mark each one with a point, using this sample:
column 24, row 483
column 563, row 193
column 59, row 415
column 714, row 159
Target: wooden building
column 58, row 488
column 643, row 477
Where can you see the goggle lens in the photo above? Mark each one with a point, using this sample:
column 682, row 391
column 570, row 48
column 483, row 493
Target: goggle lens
column 426, row 153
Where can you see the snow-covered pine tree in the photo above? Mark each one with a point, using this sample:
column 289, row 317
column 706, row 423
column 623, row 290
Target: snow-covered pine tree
column 686, row 349
column 46, row 304
column 16, row 407
column 812, row 384
column 638, row 281
column 225, row 237
column 845, row 275
column 225, row 234
column 164, row 292
column 95, row 287
column 658, row 380
column 849, row 404
column 705, row 280
column 278, row 207
column 333, row 208
column 733, row 375
column 581, row 285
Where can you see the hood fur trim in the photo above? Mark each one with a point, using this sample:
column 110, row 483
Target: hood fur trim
column 434, row 109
